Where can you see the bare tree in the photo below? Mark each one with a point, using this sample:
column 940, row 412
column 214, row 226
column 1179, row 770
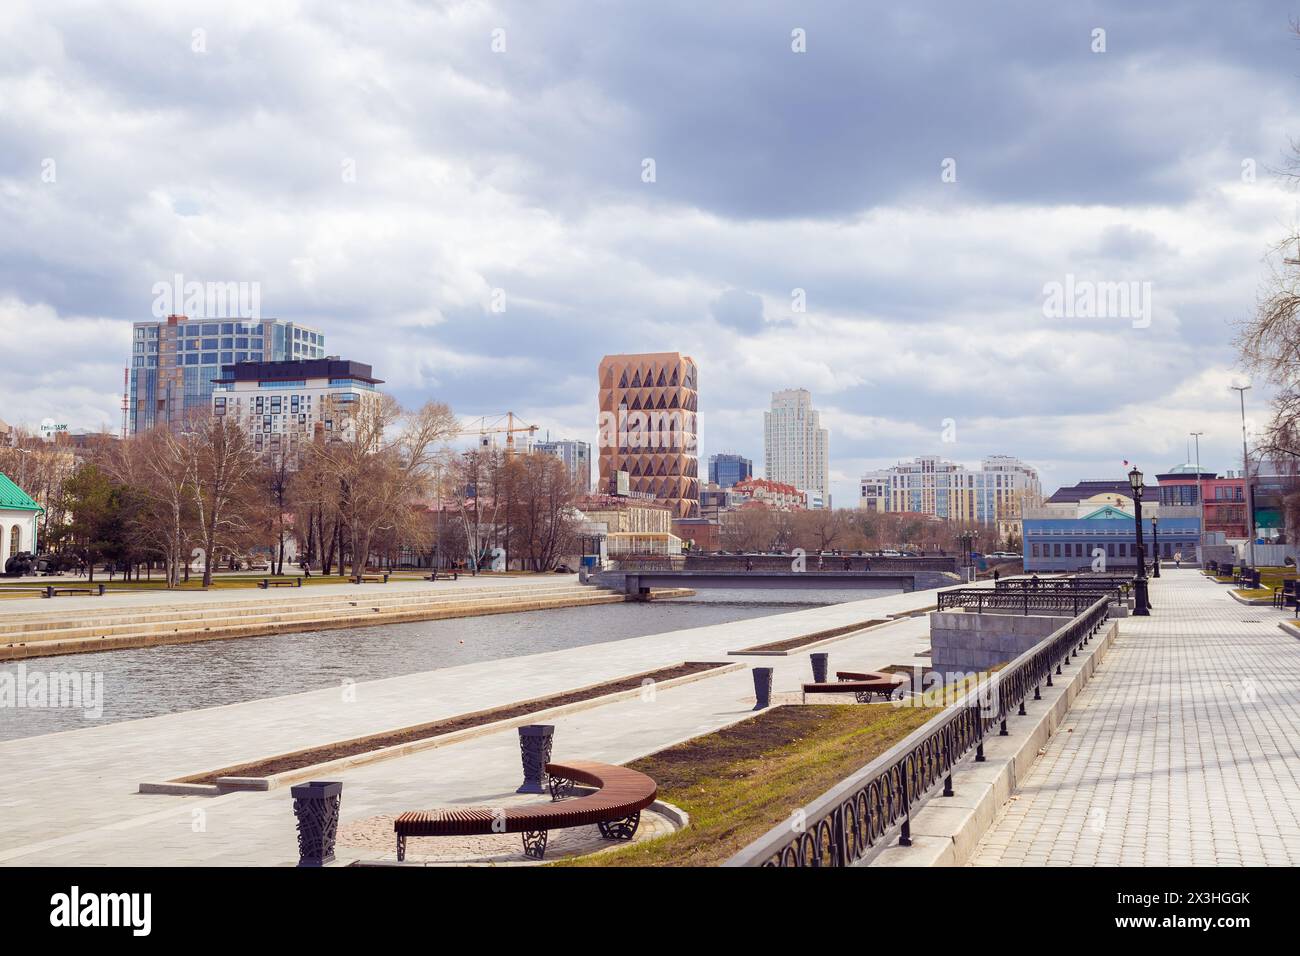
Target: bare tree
column 383, row 466
column 223, row 460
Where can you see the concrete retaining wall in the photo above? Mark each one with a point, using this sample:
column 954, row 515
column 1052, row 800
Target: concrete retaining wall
column 962, row 641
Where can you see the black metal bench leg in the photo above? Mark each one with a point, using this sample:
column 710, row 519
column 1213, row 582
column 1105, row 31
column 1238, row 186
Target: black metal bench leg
column 534, row 844
column 621, row 829
column 401, row 848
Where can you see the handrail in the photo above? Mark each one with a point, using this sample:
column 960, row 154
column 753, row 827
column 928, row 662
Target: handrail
column 853, row 820
column 1025, row 600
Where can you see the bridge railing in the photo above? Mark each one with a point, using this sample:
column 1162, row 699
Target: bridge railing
column 858, row 817
column 1025, row 600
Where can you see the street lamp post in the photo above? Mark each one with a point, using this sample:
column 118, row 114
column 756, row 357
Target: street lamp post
column 1245, row 473
column 1141, row 605
column 1200, row 501
column 1155, row 546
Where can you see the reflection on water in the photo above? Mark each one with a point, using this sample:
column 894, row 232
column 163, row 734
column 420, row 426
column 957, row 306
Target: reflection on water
column 148, row 681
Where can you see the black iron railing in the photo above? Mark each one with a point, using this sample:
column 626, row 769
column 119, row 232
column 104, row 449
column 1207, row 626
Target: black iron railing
column 1072, row 601
column 1091, row 583
column 858, row 817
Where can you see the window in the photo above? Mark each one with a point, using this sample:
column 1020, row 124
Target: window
column 15, row 540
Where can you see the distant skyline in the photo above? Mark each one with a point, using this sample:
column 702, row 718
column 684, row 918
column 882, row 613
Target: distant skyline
column 897, row 219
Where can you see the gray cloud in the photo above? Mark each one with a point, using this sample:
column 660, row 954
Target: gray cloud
column 521, row 171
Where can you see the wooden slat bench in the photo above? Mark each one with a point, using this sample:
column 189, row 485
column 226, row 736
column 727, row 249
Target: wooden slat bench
column 266, row 583
column 861, row 684
column 615, row 806
column 371, row 578
column 455, row 575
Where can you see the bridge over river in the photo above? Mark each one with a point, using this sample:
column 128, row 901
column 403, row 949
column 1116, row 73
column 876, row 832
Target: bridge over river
column 639, row 581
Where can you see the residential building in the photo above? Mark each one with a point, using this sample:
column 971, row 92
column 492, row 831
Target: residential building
column 776, row 495
column 576, row 456
column 648, row 404
column 285, row 404
column 727, row 468
column 7, row 434
column 998, row 492
column 175, row 361
column 1224, row 498
column 628, row 515
column 714, row 500
column 796, row 449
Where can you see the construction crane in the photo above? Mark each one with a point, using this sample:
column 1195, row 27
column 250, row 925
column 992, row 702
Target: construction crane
column 493, row 425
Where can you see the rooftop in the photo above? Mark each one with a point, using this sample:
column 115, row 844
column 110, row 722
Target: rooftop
column 293, row 370
column 14, row 498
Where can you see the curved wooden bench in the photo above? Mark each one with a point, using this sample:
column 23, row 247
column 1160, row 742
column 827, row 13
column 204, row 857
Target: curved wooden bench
column 621, row 794
column 861, row 684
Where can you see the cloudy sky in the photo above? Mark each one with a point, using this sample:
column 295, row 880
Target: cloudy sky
column 921, row 171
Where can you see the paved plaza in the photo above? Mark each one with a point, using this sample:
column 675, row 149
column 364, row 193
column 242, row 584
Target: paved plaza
column 70, row 798
column 1182, row 749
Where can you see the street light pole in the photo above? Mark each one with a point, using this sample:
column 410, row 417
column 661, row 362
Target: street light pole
column 1141, row 604
column 1200, row 500
column 1245, row 463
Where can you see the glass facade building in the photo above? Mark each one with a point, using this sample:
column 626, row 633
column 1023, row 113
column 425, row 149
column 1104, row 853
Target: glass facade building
column 174, row 361
column 727, row 469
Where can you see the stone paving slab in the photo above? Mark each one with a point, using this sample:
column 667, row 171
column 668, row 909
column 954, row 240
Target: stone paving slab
column 69, row 798
column 1182, row 750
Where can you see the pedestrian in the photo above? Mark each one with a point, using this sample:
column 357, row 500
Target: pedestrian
column 996, row 574
column 1178, row 559
column 749, row 564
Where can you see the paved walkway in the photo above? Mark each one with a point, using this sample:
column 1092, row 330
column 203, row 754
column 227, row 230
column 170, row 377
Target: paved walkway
column 1182, row 749
column 115, row 600
column 70, row 798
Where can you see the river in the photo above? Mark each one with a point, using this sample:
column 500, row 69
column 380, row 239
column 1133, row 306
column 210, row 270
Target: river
column 149, row 681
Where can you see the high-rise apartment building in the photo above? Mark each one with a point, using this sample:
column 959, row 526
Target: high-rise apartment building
column 726, row 469
column 996, row 493
column 796, row 448
column 648, row 404
column 576, row 456
column 176, row 360
column 283, row 405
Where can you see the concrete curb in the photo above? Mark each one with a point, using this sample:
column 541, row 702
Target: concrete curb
column 1254, row 602
column 856, row 630
column 181, row 786
column 947, row 830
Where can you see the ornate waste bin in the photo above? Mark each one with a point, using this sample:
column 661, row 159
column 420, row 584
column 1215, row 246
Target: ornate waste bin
column 762, row 687
column 820, row 664
column 316, row 805
column 535, row 748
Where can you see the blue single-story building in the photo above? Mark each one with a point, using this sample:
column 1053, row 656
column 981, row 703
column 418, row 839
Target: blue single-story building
column 1068, row 544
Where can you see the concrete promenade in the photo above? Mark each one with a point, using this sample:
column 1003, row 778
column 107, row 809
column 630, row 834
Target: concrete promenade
column 1181, row 751
column 70, row 798
column 114, row 600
